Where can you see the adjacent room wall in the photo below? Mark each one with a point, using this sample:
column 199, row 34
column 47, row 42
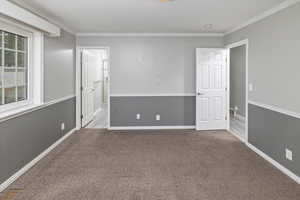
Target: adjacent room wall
column 143, row 66
column 274, row 68
column 25, row 137
column 238, row 79
column 59, row 56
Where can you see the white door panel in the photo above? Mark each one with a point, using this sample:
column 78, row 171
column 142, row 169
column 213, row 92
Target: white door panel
column 211, row 78
column 88, row 77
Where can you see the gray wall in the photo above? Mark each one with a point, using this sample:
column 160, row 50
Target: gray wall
column 238, row 78
column 152, row 65
column 274, row 46
column 25, row 137
column 273, row 132
column 59, row 67
column 174, row 111
column 147, row 65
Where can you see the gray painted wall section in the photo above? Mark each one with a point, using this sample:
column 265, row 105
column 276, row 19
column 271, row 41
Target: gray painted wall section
column 238, row 79
column 25, row 137
column 59, row 66
column 151, row 65
column 174, row 111
column 274, row 47
column 273, row 132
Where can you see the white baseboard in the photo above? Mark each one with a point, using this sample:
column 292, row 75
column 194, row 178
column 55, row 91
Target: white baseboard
column 149, row 127
column 275, row 163
column 24, row 169
column 235, row 134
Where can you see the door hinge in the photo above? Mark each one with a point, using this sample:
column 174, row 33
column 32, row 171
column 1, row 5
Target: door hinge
column 81, row 88
column 81, row 116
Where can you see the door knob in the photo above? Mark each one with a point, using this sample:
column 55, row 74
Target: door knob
column 199, row 94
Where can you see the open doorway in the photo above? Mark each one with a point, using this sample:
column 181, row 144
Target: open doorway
column 238, row 100
column 94, row 87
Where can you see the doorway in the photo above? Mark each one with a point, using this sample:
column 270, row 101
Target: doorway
column 93, row 84
column 238, row 70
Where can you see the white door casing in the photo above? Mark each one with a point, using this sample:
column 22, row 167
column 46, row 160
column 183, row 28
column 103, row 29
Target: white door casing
column 211, row 84
column 87, row 88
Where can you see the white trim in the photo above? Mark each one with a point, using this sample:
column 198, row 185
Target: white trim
column 43, row 15
column 276, row 109
column 78, row 83
column 24, row 169
column 230, row 46
column 235, row 134
column 275, row 163
column 18, row 13
column 38, row 67
column 264, row 15
column 150, row 34
column 35, row 67
column 55, row 101
column 28, row 109
column 150, row 127
column 155, row 95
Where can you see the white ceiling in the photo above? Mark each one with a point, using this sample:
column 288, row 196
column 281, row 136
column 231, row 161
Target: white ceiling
column 149, row 16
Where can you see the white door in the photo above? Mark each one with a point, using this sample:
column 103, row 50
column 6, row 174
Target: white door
column 87, row 106
column 211, row 100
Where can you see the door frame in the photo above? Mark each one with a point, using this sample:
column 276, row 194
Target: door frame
column 231, row 46
column 78, row 83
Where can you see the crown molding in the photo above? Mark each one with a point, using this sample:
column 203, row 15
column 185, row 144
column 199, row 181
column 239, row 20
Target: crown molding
column 264, row 15
column 20, row 14
column 151, row 34
column 37, row 12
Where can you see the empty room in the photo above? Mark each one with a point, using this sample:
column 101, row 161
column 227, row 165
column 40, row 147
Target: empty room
column 149, row 100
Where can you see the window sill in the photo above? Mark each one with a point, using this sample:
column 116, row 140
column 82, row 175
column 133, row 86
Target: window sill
column 6, row 115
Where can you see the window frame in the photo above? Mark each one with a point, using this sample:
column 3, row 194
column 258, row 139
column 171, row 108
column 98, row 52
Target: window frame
column 35, row 76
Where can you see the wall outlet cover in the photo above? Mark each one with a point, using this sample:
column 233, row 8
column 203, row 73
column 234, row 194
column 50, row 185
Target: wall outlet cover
column 138, row 116
column 288, row 154
column 157, row 117
column 62, row 126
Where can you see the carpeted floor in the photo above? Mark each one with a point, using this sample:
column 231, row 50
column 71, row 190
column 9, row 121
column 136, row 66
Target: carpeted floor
column 153, row 165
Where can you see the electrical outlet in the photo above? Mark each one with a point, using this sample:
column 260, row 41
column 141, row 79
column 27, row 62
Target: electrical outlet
column 138, row 116
column 157, row 117
column 288, row 154
column 62, row 126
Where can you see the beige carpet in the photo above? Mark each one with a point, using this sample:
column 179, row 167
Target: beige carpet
column 154, row 165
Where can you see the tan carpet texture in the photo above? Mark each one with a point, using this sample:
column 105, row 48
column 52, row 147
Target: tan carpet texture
column 153, row 165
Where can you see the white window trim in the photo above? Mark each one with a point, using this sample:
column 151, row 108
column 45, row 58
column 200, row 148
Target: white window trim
column 35, row 69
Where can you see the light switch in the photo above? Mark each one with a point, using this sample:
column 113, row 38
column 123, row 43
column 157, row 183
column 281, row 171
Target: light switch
column 250, row 87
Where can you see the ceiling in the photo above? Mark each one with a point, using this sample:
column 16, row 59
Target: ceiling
column 149, row 16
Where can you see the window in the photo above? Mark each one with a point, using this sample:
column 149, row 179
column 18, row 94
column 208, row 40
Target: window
column 20, row 67
column 13, row 68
